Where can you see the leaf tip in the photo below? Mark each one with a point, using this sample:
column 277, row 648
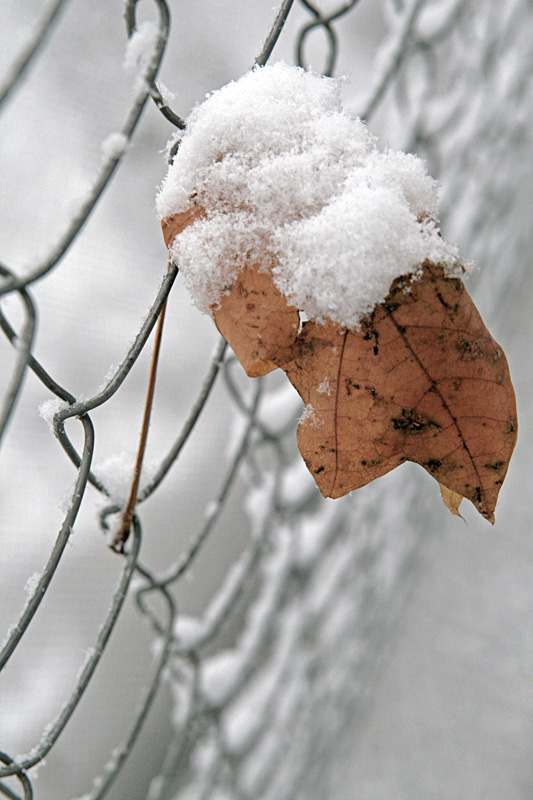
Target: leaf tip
column 452, row 500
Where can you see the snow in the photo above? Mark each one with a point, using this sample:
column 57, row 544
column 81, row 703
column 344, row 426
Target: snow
column 212, row 509
column 140, row 48
column 287, row 176
column 90, row 653
column 114, row 145
column 189, row 631
column 222, row 674
column 324, row 387
column 241, row 722
column 310, row 417
column 116, row 473
column 314, row 533
column 66, row 500
column 31, row 585
column 49, row 408
column 280, row 408
column 167, row 95
column 258, row 503
column 297, row 483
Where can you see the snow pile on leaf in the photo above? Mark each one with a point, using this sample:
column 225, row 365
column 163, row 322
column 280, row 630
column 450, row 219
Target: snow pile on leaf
column 286, row 179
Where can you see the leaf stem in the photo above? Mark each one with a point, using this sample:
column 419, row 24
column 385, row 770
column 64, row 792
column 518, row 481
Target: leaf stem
column 122, row 534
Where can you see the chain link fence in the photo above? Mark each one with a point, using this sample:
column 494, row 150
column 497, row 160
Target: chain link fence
column 267, row 678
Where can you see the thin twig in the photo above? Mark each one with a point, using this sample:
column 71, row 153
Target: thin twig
column 122, row 534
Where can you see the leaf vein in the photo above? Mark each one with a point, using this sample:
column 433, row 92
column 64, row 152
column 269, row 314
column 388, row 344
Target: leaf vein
column 401, row 331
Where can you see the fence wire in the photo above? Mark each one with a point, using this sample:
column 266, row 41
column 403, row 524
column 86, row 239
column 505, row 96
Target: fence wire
column 305, row 604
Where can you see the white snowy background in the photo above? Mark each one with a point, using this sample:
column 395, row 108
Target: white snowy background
column 450, row 708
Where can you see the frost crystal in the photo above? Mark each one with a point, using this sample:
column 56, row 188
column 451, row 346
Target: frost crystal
column 324, row 387
column 309, row 417
column 283, row 171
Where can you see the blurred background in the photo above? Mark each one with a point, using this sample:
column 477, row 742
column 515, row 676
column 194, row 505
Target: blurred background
column 424, row 683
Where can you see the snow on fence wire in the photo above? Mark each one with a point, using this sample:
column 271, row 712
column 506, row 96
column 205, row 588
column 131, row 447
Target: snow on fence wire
column 309, row 598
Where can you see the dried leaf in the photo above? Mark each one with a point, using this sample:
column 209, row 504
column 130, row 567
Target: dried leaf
column 422, row 380
column 451, row 500
column 176, row 223
column 256, row 320
column 253, row 315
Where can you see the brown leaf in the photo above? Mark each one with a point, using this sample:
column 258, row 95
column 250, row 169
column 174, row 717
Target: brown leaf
column 176, row 223
column 422, row 380
column 256, row 320
column 451, row 500
column 253, row 315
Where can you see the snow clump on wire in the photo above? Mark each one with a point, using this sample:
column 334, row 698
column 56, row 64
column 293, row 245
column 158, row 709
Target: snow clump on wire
column 291, row 182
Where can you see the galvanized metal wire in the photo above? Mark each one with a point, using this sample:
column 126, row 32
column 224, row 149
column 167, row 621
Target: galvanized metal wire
column 322, row 21
column 26, row 56
column 306, row 579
